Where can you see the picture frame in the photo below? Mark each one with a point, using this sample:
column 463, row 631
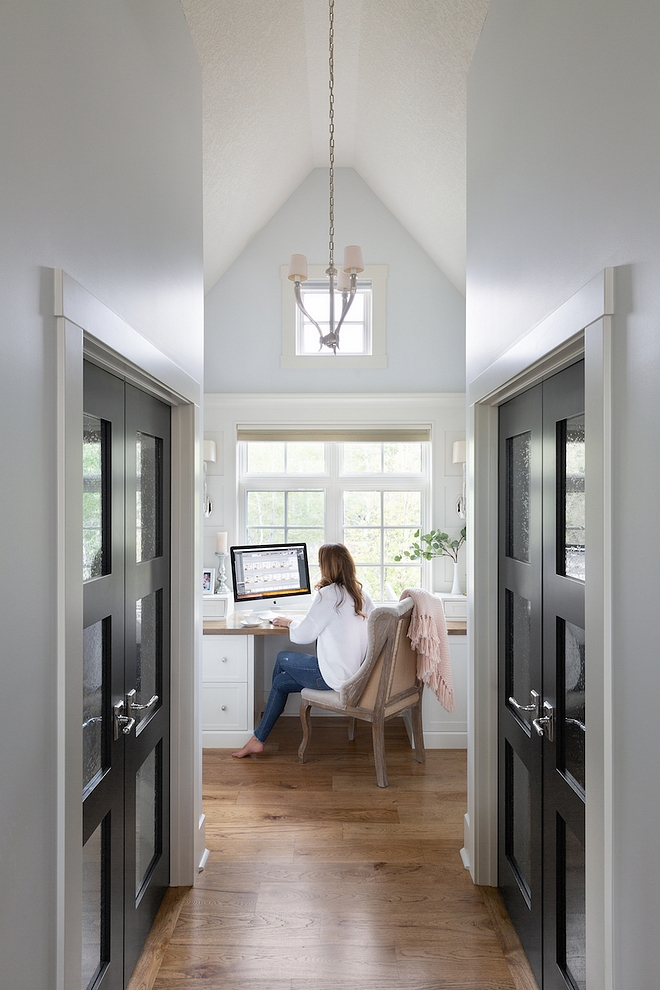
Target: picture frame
column 208, row 580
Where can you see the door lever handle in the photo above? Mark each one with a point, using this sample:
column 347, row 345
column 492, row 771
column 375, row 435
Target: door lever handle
column 130, row 698
column 546, row 724
column 123, row 723
column 534, row 707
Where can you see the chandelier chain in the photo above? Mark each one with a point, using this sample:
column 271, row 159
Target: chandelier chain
column 331, row 64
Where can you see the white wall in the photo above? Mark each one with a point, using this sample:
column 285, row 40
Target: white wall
column 563, row 180
column 425, row 312
column 100, row 133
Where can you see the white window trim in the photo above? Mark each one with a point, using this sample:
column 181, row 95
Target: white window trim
column 378, row 357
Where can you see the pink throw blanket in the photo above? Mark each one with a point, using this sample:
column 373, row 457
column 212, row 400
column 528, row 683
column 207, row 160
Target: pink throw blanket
column 428, row 636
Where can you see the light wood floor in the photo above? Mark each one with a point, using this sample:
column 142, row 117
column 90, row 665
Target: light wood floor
column 319, row 880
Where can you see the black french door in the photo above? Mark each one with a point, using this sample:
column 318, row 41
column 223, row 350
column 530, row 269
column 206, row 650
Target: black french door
column 126, row 649
column 542, row 675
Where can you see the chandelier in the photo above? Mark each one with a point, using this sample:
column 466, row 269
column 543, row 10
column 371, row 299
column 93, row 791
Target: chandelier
column 346, row 278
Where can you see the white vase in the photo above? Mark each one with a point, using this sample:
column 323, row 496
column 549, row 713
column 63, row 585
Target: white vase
column 456, row 586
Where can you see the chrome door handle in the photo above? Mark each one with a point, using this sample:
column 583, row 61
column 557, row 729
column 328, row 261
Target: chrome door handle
column 546, row 724
column 121, row 722
column 133, row 707
column 534, row 707
column 92, row 721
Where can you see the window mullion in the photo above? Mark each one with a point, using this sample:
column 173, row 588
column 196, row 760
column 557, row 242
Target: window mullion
column 382, row 541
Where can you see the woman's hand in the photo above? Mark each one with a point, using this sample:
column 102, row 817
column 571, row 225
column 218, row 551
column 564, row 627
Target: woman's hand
column 281, row 620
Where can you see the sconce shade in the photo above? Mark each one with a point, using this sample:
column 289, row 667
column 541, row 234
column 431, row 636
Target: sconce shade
column 343, row 282
column 353, row 259
column 297, row 268
column 458, row 452
column 210, row 451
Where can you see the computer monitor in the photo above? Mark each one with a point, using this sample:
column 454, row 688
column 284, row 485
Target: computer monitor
column 269, row 575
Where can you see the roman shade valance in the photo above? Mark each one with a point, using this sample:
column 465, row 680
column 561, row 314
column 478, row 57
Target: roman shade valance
column 360, row 434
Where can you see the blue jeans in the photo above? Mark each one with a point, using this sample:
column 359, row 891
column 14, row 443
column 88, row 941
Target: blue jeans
column 291, row 673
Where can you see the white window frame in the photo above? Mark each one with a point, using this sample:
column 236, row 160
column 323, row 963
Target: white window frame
column 334, row 483
column 377, row 275
column 320, row 286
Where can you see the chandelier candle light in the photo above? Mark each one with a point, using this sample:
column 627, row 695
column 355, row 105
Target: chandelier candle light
column 353, row 265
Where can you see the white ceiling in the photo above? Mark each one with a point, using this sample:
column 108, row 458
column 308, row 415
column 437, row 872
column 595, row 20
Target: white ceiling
column 400, row 80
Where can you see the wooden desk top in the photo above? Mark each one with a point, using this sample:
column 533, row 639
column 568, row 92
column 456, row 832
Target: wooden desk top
column 232, row 627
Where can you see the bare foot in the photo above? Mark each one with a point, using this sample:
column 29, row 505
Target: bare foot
column 252, row 746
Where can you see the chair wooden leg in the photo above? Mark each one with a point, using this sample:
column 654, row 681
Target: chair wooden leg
column 305, row 716
column 378, row 735
column 418, row 732
column 352, row 722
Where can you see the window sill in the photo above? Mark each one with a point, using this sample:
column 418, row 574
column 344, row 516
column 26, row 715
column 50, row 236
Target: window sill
column 334, row 362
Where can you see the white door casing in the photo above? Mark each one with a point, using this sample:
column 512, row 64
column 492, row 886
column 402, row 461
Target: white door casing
column 582, row 326
column 86, row 328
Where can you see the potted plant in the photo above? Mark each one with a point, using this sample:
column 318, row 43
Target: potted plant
column 436, row 544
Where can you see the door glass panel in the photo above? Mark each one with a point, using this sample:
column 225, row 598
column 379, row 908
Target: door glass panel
column 573, row 908
column 574, row 504
column 94, row 501
column 94, row 897
column 149, row 650
column 518, row 451
column 146, row 824
column 94, row 638
column 518, row 825
column 148, row 496
column 574, row 712
column 518, row 637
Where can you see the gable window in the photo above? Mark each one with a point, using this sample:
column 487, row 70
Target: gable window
column 370, row 495
column 363, row 332
column 355, row 334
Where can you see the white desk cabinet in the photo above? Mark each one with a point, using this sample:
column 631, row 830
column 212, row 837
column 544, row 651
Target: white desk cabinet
column 227, row 690
column 448, row 730
column 236, row 669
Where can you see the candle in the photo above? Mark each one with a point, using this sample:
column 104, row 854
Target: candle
column 221, row 543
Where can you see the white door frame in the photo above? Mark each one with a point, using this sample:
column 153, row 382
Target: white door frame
column 88, row 329
column 581, row 327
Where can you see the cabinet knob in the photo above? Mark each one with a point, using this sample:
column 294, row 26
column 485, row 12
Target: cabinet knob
column 224, row 659
column 224, row 708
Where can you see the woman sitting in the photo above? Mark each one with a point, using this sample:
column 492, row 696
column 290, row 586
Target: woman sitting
column 337, row 621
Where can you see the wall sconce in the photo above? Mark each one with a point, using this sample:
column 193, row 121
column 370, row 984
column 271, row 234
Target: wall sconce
column 210, row 457
column 458, row 457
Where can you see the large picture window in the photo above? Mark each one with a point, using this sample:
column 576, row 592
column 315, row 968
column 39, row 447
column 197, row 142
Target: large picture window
column 372, row 496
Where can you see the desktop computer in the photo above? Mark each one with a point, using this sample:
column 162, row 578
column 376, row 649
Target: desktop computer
column 270, row 577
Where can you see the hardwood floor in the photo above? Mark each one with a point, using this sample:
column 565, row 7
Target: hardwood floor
column 318, row 879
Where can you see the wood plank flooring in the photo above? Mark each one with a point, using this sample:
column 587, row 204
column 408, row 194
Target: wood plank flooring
column 318, row 879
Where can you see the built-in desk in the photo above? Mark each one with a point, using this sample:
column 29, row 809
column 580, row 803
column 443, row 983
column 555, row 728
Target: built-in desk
column 235, row 660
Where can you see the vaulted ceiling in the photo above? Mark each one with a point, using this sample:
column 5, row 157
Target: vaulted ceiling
column 400, row 80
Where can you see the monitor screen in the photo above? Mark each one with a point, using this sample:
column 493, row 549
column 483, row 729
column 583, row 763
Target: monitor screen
column 278, row 570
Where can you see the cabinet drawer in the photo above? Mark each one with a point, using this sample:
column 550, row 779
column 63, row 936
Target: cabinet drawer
column 224, row 706
column 225, row 658
column 455, row 609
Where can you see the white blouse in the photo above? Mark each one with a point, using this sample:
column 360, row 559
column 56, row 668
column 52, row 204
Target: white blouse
column 341, row 635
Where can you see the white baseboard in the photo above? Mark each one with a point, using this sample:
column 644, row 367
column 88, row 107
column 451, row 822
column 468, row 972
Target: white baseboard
column 468, row 840
column 230, row 740
column 225, row 740
column 445, row 740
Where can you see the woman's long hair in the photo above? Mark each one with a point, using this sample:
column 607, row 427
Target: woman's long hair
column 338, row 567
